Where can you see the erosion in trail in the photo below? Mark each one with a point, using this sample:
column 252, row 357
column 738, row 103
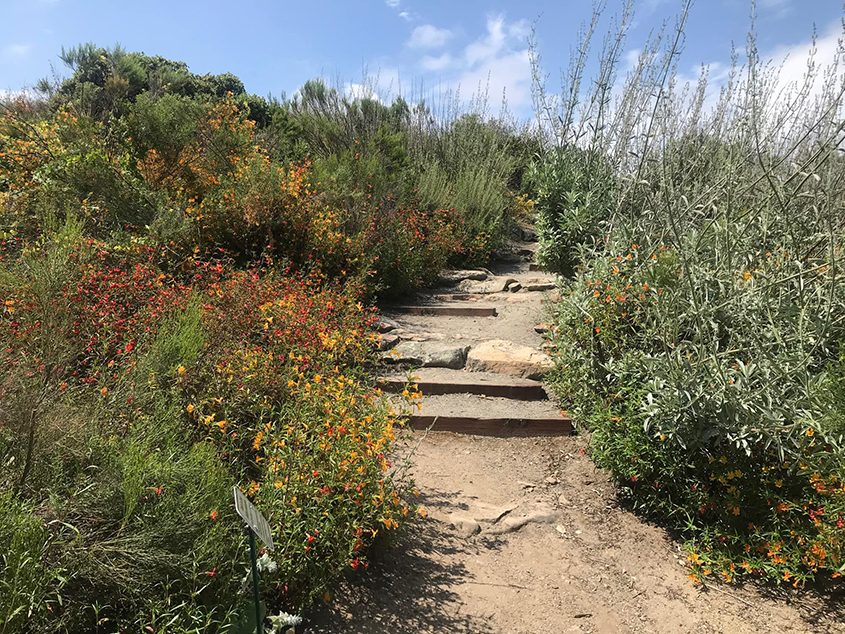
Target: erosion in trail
column 523, row 534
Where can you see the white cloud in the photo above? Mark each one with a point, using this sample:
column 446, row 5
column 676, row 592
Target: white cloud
column 778, row 8
column 650, row 6
column 499, row 35
column 9, row 94
column 405, row 16
column 429, row 36
column 495, row 63
column 792, row 61
column 16, row 51
column 436, row 63
column 498, row 63
column 507, row 75
column 785, row 69
column 360, row 91
column 631, row 59
column 392, row 3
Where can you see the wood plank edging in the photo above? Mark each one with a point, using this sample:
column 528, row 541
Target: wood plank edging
column 500, row 427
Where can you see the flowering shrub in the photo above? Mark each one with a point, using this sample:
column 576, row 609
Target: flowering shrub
column 700, row 414
column 181, row 271
column 254, row 376
column 281, row 393
column 699, row 336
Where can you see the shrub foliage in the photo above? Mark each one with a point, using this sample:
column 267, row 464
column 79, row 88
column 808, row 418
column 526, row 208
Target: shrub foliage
column 699, row 337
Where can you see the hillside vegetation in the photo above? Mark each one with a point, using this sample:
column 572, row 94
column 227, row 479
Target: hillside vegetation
column 188, row 274
column 185, row 271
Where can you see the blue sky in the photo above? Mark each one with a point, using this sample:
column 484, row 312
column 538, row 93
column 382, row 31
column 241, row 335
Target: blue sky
column 274, row 46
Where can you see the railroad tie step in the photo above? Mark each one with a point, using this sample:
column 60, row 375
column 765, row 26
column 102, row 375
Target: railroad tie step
column 449, row 310
column 501, row 427
column 436, row 381
column 480, row 415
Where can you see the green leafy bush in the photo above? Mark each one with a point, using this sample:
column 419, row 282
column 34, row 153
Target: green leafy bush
column 699, row 337
column 573, row 191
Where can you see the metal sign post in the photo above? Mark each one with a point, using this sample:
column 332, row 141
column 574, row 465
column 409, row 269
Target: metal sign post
column 256, row 524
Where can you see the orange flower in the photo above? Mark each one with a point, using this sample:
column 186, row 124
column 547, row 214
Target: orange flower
column 213, row 516
column 104, row 390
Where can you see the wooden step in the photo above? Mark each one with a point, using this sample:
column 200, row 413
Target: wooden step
column 451, row 310
column 501, row 427
column 435, row 381
column 460, row 297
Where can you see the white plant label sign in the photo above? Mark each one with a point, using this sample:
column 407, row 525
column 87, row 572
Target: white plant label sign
column 253, row 518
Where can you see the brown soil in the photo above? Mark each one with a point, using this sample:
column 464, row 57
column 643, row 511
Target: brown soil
column 525, row 535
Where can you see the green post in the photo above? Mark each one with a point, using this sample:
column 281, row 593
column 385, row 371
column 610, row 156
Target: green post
column 259, row 628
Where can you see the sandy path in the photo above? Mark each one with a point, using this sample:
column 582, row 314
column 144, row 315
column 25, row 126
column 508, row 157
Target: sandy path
column 525, row 535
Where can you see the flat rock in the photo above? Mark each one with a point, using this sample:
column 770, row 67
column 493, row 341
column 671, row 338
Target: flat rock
column 419, row 335
column 450, row 278
column 490, row 513
column 496, row 284
column 466, row 526
column 507, row 357
column 428, row 354
column 539, row 285
column 529, row 235
column 508, row 257
column 515, row 287
column 386, row 341
column 386, row 324
column 542, row 328
column 542, row 514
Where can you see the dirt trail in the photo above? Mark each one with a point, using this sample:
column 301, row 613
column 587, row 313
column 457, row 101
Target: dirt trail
column 525, row 535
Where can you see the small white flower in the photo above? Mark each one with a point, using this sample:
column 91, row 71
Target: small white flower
column 267, row 564
column 282, row 620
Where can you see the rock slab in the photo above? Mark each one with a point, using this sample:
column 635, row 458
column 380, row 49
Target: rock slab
column 428, row 354
column 450, row 278
column 507, row 357
column 497, row 284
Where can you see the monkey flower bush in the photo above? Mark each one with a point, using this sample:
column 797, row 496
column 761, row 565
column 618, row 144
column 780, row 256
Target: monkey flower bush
column 153, row 392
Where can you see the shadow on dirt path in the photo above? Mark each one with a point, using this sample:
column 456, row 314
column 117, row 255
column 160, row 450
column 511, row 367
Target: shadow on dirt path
column 409, row 588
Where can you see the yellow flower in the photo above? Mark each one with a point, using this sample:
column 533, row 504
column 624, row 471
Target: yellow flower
column 190, row 408
column 180, row 370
